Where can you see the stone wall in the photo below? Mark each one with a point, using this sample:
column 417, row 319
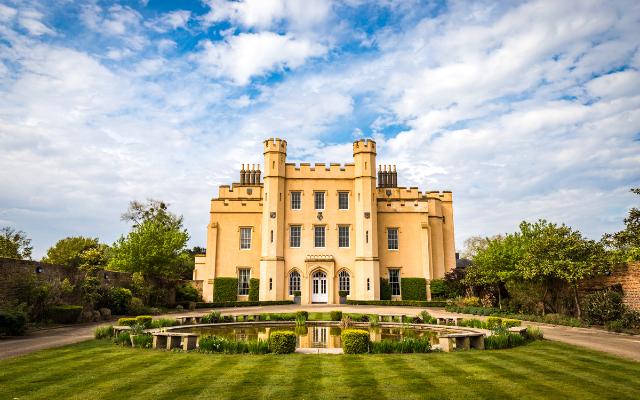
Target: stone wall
column 628, row 276
column 12, row 271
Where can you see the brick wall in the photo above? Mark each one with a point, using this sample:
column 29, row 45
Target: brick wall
column 628, row 276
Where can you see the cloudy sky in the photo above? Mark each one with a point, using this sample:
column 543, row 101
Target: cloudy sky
column 522, row 109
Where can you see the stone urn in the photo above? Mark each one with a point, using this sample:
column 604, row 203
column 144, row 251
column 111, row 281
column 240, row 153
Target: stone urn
column 297, row 297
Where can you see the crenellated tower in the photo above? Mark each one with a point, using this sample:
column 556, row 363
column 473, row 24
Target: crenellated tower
column 366, row 220
column 272, row 282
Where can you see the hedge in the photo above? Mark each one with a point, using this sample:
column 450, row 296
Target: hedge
column 408, row 303
column 438, row 288
column 254, row 289
column 63, row 314
column 220, row 304
column 355, row 341
column 385, row 290
column 13, row 322
column 282, row 342
column 413, row 289
column 225, row 289
column 127, row 321
column 144, row 320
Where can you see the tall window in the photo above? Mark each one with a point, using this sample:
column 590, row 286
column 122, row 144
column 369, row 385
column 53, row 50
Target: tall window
column 318, row 200
column 343, row 200
column 244, row 274
column 344, row 281
column 392, row 238
column 245, row 238
column 296, row 203
column 343, row 236
column 294, row 236
column 319, row 237
column 294, row 282
column 394, row 281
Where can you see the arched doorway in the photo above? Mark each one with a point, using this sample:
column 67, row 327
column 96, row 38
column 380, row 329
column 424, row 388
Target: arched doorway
column 319, row 287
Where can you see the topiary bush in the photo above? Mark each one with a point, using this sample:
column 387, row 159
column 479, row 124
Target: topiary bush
column 385, row 289
column 127, row 321
column 494, row 322
column 510, row 323
column 413, row 289
column 144, row 320
column 335, row 315
column 254, row 289
column 187, row 292
column 64, row 314
column 225, row 289
column 603, row 306
column 13, row 322
column 355, row 341
column 282, row 342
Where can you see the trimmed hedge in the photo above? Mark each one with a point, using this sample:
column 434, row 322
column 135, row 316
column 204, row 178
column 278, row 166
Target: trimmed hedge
column 127, row 321
column 254, row 289
column 63, row 314
column 282, row 342
column 413, row 289
column 221, row 304
column 355, row 341
column 438, row 288
column 144, row 320
column 385, row 290
column 409, row 303
column 225, row 289
column 335, row 315
column 13, row 322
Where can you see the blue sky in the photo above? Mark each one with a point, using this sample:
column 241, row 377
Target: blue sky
column 524, row 110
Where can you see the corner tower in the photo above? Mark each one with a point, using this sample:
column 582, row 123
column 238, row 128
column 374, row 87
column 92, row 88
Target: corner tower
column 366, row 221
column 272, row 282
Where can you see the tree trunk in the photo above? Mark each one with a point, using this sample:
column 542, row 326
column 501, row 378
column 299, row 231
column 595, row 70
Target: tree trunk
column 575, row 296
column 544, row 296
column 499, row 297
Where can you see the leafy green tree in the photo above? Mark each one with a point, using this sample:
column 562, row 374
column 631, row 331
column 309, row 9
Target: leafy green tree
column 626, row 243
column 14, row 244
column 78, row 251
column 156, row 246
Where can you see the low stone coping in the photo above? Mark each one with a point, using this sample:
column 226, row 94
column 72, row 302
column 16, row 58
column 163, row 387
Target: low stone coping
column 461, row 334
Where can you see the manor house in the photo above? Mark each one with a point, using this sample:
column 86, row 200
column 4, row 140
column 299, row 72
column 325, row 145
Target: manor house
column 324, row 229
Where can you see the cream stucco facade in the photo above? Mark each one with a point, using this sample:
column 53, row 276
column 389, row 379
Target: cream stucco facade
column 324, row 228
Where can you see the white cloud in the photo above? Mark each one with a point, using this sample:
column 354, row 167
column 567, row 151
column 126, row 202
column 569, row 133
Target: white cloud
column 30, row 20
column 171, row 20
column 7, row 13
column 253, row 54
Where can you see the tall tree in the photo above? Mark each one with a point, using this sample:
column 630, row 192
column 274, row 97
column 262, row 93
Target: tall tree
column 14, row 244
column 151, row 210
column 627, row 241
column 77, row 251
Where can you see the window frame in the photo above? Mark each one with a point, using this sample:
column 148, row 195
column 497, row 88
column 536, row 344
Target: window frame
column 299, row 202
column 291, row 236
column 241, row 287
column 391, row 272
column 292, row 287
column 246, row 229
column 344, row 278
column 324, row 236
column 348, row 229
column 390, row 240
column 315, row 200
column 346, row 193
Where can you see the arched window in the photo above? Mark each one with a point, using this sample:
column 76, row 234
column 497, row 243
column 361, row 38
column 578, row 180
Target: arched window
column 344, row 281
column 294, row 282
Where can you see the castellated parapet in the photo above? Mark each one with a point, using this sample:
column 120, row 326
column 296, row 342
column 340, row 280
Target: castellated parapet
column 364, row 146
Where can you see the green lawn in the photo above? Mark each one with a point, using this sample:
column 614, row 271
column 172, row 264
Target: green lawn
column 100, row 370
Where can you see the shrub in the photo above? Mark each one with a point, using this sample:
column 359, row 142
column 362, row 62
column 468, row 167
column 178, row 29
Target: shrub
column 13, row 322
column 187, row 292
column 408, row 303
column 603, row 306
column 127, row 321
column 413, row 289
column 144, row 320
column 225, row 289
column 385, row 289
column 438, row 288
column 346, row 322
column 406, row 345
column 425, row 316
column 103, row 332
column 254, row 289
column 179, row 307
column 64, row 314
column 136, row 306
column 123, row 338
column 615, row 326
column 143, row 341
column 473, row 323
column 342, row 293
column 534, row 333
column 510, row 323
column 214, row 344
column 120, row 300
column 470, row 302
column 630, row 319
column 302, row 314
column 211, row 318
column 243, row 303
column 374, row 320
column 297, row 293
column 282, row 342
column 162, row 323
column 280, row 316
column 503, row 340
column 355, row 341
column 335, row 315
column 494, row 322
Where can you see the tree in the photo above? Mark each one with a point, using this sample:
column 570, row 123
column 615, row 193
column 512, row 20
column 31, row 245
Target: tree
column 14, row 244
column 78, row 251
column 474, row 244
column 626, row 243
column 156, row 246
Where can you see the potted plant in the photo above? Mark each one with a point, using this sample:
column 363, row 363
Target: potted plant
column 296, row 296
column 343, row 296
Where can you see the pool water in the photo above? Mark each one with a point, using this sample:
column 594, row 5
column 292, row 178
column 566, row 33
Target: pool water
column 316, row 336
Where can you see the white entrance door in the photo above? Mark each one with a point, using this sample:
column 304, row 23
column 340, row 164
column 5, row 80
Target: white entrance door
column 319, row 289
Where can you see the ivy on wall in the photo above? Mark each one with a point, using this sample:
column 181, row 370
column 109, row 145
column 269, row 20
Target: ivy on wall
column 254, row 289
column 225, row 289
column 385, row 289
column 413, row 289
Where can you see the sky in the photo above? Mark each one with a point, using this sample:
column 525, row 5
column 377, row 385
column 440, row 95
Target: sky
column 524, row 110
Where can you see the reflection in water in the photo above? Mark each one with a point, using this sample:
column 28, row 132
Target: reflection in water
column 311, row 336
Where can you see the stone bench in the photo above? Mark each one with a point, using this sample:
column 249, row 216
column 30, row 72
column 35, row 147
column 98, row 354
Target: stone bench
column 189, row 319
column 522, row 330
column 120, row 328
column 462, row 341
column 449, row 321
column 245, row 317
column 390, row 317
column 171, row 340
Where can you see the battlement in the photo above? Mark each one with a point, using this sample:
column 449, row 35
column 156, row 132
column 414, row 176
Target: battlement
column 319, row 171
column 364, row 146
column 445, row 195
column 239, row 191
column 275, row 144
column 398, row 193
